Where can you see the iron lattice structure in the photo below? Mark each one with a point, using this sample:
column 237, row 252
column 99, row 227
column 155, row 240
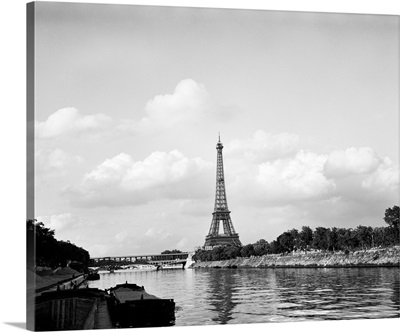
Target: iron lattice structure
column 221, row 212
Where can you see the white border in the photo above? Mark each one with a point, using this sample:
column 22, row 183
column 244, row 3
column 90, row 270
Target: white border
column 12, row 129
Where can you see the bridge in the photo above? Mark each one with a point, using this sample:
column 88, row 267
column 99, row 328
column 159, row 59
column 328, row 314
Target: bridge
column 158, row 259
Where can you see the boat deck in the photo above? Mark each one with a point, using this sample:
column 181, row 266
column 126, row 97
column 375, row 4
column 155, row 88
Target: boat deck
column 124, row 294
column 102, row 318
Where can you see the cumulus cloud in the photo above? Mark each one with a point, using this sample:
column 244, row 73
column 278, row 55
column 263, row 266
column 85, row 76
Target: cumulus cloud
column 351, row 161
column 272, row 171
column 69, row 120
column 110, row 172
column 284, row 181
column 189, row 103
column 123, row 181
column 59, row 221
column 264, row 146
column 296, row 178
column 385, row 177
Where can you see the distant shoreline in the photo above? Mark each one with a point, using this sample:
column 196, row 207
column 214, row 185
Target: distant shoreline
column 382, row 257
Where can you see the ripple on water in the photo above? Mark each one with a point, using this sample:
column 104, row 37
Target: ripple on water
column 226, row 296
column 287, row 305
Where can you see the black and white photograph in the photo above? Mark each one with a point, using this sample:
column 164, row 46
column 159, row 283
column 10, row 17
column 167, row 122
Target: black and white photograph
column 206, row 166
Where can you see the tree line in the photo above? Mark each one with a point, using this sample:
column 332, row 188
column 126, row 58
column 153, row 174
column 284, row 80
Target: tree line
column 173, row 251
column 45, row 250
column 322, row 238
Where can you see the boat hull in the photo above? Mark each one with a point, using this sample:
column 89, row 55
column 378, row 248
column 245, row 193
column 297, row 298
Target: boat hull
column 132, row 306
column 143, row 313
column 172, row 267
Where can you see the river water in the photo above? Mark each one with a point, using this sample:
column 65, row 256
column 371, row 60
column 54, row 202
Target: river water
column 243, row 296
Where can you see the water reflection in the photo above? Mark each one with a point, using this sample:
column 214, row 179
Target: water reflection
column 219, row 294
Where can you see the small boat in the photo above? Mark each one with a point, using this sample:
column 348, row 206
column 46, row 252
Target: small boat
column 132, row 306
column 171, row 266
column 148, row 267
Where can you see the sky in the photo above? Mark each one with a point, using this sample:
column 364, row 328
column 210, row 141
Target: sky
column 129, row 101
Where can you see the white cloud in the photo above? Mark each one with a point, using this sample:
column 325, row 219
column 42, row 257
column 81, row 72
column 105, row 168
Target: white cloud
column 123, row 181
column 187, row 102
column 264, row 146
column 385, row 177
column 110, row 172
column 190, row 103
column 54, row 162
column 162, row 168
column 68, row 120
column 297, row 178
column 351, row 161
column 60, row 221
column 283, row 181
column 270, row 170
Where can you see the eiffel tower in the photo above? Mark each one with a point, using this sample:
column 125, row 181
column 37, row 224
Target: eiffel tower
column 221, row 212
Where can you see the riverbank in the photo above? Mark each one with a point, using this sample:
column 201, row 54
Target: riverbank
column 49, row 280
column 363, row 258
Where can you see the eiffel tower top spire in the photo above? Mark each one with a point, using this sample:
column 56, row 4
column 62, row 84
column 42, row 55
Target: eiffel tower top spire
column 221, row 203
column 219, row 144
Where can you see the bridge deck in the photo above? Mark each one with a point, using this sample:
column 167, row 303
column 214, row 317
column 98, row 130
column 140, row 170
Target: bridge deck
column 154, row 258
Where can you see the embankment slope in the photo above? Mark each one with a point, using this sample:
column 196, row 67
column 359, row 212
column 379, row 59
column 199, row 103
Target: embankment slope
column 363, row 258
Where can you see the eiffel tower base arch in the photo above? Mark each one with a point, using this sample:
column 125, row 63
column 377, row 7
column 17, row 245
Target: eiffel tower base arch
column 221, row 240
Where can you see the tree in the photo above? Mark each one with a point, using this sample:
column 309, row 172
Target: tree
column 276, row 247
column 247, row 250
column 42, row 242
column 392, row 219
column 47, row 251
column 342, row 235
column 174, row 251
column 296, row 238
column 217, row 253
column 261, row 247
column 364, row 236
column 232, row 251
column 381, row 236
column 201, row 255
column 320, row 239
column 306, row 237
column 332, row 239
column 288, row 239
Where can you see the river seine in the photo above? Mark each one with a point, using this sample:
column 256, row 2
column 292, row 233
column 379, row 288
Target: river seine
column 242, row 296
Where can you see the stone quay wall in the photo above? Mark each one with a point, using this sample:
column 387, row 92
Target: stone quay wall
column 384, row 257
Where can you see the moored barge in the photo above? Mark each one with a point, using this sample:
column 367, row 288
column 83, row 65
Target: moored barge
column 132, row 306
